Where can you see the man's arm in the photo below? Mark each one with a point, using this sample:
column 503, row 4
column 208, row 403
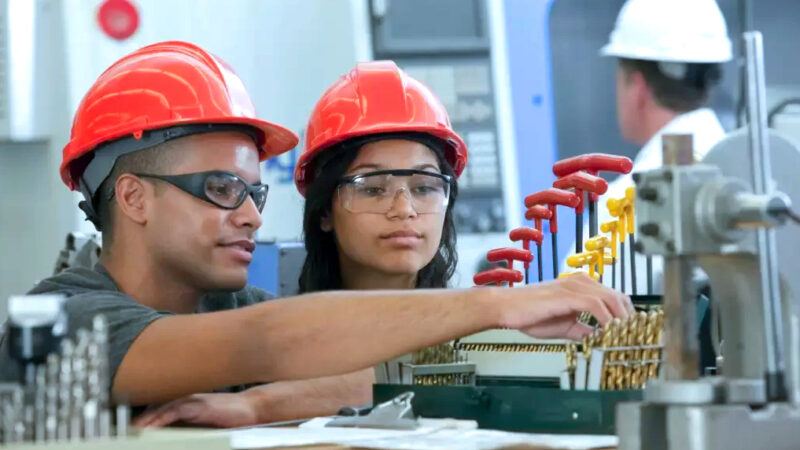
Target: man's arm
column 274, row 402
column 302, row 399
column 332, row 333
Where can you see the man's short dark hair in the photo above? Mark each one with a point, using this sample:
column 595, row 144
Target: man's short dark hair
column 151, row 160
column 681, row 95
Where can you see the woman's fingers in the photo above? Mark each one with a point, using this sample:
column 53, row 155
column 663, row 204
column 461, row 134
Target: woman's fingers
column 616, row 302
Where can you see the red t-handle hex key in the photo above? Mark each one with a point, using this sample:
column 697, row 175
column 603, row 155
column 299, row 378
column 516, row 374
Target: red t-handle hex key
column 497, row 277
column 593, row 163
column 510, row 255
column 581, row 182
column 537, row 213
column 553, row 197
column 526, row 235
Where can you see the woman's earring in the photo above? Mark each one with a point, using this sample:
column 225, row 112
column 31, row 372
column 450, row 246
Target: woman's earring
column 325, row 224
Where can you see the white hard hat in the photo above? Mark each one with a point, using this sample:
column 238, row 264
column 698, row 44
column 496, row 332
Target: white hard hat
column 691, row 31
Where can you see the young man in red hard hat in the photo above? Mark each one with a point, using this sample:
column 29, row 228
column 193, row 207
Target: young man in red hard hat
column 165, row 147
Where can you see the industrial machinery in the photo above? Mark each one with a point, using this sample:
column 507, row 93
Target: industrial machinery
column 723, row 216
column 276, row 267
column 80, row 250
column 63, row 393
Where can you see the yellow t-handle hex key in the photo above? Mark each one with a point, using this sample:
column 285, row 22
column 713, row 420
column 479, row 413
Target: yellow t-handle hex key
column 611, row 228
column 623, row 210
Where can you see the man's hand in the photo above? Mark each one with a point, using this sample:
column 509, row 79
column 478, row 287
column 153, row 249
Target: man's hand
column 274, row 402
column 550, row 310
column 208, row 410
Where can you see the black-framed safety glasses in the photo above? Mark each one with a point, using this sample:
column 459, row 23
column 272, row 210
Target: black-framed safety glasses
column 222, row 189
column 376, row 192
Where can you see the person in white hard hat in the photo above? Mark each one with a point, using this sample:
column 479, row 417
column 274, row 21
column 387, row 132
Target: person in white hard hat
column 669, row 55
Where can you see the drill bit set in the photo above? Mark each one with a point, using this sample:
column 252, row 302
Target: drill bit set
column 452, row 374
column 438, row 365
column 510, row 353
column 64, row 394
column 622, row 355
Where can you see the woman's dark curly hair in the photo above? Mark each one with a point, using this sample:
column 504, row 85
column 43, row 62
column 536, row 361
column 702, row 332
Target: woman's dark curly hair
column 321, row 270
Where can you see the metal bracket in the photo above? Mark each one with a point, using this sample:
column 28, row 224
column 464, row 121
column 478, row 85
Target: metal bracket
column 396, row 414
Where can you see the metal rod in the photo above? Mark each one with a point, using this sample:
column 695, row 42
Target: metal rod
column 649, row 275
column 614, row 273
column 539, row 261
column 555, row 255
column 767, row 251
column 632, row 246
column 578, row 233
column 40, row 404
column 123, row 418
column 526, row 274
column 622, row 266
column 593, row 226
column 30, row 374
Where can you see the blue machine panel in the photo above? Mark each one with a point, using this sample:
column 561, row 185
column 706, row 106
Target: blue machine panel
column 276, row 267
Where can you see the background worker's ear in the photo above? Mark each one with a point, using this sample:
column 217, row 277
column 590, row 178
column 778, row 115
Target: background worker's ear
column 132, row 195
column 642, row 94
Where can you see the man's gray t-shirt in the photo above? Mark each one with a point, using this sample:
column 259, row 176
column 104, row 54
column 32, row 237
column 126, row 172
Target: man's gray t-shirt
column 92, row 292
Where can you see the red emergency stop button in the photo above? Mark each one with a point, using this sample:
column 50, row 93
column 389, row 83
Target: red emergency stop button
column 118, row 19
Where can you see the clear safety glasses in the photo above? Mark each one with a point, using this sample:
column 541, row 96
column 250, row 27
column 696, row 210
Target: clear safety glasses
column 376, row 192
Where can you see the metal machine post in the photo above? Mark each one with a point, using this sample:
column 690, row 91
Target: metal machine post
column 680, row 316
column 762, row 175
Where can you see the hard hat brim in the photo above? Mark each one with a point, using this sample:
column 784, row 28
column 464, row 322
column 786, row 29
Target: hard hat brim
column 613, row 50
column 275, row 140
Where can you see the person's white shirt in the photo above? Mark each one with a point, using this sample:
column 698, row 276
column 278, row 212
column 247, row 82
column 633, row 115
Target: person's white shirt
column 706, row 129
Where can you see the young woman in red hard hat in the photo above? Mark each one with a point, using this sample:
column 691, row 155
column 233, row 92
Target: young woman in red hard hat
column 378, row 170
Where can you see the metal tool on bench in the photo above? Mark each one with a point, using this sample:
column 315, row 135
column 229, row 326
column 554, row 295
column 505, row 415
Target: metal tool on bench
column 725, row 215
column 395, row 414
column 80, row 250
column 64, row 394
column 35, row 329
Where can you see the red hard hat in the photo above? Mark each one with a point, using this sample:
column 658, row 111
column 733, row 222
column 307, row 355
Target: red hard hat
column 160, row 86
column 374, row 98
